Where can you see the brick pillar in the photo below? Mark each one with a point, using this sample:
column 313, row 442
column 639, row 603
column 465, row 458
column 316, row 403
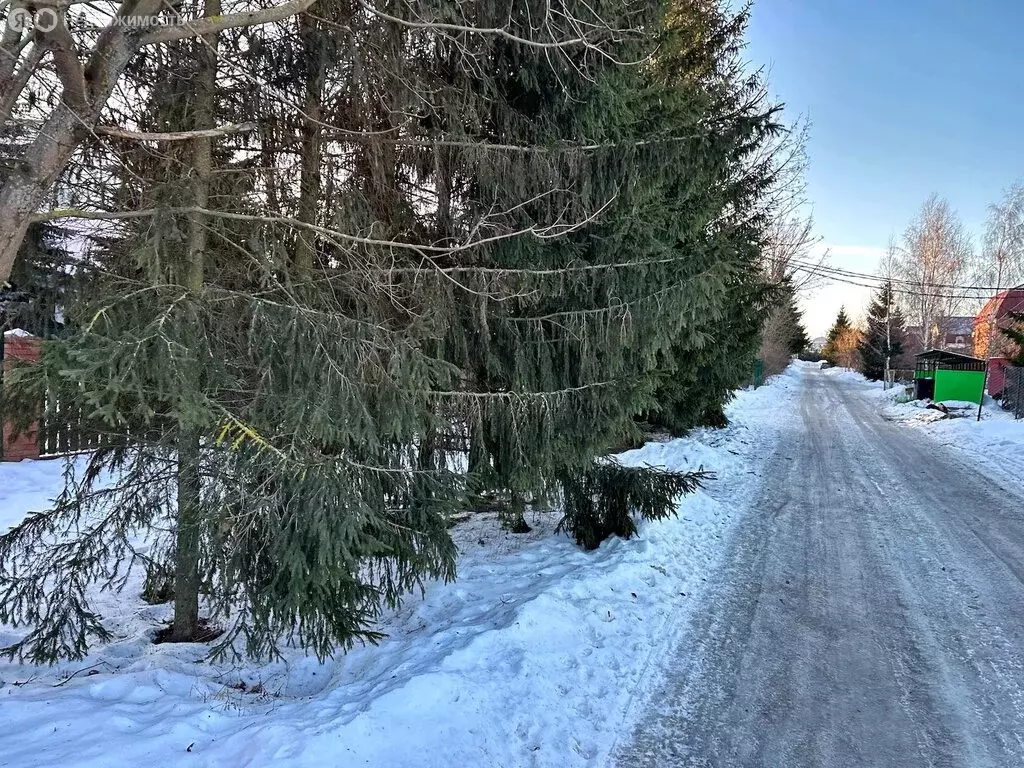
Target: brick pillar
column 25, row 445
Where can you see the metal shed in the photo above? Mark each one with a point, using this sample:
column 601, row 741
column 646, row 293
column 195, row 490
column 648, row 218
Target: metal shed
column 941, row 375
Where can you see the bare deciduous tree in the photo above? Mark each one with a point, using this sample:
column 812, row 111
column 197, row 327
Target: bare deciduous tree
column 847, row 348
column 932, row 261
column 1001, row 258
column 788, row 250
column 776, row 341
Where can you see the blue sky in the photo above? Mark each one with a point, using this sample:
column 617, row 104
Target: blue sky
column 906, row 98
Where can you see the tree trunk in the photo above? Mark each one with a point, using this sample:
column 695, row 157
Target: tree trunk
column 186, row 571
column 309, row 181
column 187, row 579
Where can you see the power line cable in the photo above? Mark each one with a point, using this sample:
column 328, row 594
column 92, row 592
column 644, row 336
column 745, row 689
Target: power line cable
column 901, row 286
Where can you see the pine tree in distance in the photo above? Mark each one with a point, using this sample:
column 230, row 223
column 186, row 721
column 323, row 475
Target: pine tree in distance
column 798, row 340
column 885, row 335
column 843, row 340
column 839, row 327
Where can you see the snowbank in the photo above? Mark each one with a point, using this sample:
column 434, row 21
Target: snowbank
column 25, row 486
column 535, row 657
column 996, row 443
column 915, row 412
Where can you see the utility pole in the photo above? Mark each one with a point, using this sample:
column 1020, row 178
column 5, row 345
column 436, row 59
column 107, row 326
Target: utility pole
column 888, row 331
column 1000, row 255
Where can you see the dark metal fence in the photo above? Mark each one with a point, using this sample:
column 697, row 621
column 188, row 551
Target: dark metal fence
column 1013, row 391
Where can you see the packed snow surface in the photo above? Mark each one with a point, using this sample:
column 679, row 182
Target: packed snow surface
column 871, row 616
column 536, row 656
column 995, row 443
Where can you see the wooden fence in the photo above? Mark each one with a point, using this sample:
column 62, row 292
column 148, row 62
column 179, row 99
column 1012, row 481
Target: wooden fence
column 63, row 431
column 60, row 429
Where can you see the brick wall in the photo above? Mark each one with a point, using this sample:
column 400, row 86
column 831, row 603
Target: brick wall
column 26, row 444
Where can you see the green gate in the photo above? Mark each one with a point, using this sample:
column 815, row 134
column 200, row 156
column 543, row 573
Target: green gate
column 758, row 377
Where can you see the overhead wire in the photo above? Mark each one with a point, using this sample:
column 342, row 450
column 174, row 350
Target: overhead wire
column 806, row 266
column 898, row 285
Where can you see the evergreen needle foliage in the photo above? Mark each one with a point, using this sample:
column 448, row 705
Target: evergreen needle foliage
column 38, row 283
column 464, row 269
column 1015, row 333
column 603, row 501
column 885, row 336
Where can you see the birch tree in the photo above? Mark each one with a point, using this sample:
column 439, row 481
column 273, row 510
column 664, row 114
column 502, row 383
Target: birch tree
column 789, row 248
column 934, row 258
column 1001, row 259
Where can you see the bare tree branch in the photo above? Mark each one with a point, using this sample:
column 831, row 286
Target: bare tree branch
column 208, row 26
column 206, row 133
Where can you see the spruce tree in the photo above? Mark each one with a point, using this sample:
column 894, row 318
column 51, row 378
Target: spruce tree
column 885, row 334
column 463, row 265
column 839, row 329
column 1014, row 332
column 799, row 341
column 39, row 282
column 714, row 345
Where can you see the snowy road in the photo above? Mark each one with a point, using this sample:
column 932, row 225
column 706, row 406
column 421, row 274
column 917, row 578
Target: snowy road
column 871, row 612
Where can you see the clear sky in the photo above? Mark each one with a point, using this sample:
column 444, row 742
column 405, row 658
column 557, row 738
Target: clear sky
column 905, row 98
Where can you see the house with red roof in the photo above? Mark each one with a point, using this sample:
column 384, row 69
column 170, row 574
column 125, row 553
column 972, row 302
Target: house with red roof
column 988, row 342
column 991, row 344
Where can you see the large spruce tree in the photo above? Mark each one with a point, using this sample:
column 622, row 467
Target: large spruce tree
column 423, row 266
column 724, row 168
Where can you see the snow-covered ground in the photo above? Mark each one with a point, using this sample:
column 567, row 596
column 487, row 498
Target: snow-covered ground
column 537, row 656
column 996, row 442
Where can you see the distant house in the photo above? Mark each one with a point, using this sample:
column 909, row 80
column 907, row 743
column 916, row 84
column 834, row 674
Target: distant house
column 818, row 344
column 953, row 334
column 957, row 335
column 988, row 342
